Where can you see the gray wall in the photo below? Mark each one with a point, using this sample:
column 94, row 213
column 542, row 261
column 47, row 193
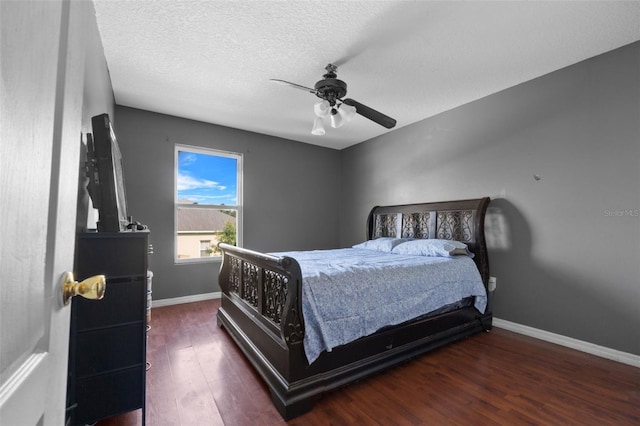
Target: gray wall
column 290, row 192
column 97, row 99
column 564, row 248
column 98, row 93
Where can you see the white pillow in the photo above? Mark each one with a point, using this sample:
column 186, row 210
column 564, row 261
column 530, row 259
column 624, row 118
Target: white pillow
column 432, row 247
column 385, row 244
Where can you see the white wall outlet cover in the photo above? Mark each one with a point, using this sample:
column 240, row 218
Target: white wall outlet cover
column 492, row 283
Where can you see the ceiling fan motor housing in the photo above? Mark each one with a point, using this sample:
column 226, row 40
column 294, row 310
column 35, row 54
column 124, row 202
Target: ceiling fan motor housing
column 331, row 89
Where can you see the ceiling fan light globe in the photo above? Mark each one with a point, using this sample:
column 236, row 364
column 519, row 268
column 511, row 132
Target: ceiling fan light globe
column 318, row 127
column 337, row 120
column 322, row 108
column 347, row 112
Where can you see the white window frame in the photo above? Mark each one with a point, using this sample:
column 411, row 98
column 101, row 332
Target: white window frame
column 238, row 207
column 205, row 248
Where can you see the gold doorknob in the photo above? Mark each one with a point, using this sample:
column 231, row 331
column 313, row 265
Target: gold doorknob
column 91, row 288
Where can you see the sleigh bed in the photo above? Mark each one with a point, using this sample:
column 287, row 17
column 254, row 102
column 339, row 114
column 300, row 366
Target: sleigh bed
column 263, row 294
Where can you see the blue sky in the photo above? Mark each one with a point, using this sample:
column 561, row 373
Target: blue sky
column 207, row 179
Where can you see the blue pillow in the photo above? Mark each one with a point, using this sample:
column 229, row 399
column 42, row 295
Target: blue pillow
column 433, row 248
column 385, row 244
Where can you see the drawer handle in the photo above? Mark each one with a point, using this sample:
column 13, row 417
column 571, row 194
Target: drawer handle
column 91, row 288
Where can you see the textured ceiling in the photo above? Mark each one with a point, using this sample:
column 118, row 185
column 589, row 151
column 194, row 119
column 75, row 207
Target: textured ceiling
column 212, row 60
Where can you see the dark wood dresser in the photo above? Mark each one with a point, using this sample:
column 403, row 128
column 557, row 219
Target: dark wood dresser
column 107, row 344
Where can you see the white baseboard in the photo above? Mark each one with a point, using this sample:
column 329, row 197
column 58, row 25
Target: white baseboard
column 185, row 299
column 590, row 348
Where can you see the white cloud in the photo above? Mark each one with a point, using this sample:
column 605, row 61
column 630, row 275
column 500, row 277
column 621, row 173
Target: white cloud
column 228, row 199
column 187, row 158
column 186, row 182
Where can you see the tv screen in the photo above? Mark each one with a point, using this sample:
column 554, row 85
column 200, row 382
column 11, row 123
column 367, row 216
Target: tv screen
column 106, row 177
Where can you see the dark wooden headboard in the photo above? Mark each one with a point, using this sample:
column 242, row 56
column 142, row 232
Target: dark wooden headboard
column 459, row 220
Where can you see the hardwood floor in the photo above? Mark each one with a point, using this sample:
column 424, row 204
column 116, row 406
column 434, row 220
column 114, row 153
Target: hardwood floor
column 199, row 377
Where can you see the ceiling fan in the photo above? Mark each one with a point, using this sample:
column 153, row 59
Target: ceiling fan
column 331, row 91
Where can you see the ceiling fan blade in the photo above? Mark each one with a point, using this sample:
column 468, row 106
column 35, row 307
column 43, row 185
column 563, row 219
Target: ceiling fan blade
column 294, row 85
column 371, row 114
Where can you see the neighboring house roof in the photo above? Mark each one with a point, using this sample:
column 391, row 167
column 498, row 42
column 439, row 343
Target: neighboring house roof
column 194, row 220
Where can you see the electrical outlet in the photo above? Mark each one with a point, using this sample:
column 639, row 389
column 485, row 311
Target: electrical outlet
column 492, row 283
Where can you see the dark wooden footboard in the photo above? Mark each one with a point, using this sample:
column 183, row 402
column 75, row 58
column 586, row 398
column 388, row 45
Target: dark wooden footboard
column 261, row 308
column 272, row 286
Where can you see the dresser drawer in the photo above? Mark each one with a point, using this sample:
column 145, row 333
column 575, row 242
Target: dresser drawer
column 109, row 349
column 107, row 395
column 113, row 255
column 122, row 302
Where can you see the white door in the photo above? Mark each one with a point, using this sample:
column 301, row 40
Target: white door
column 40, row 125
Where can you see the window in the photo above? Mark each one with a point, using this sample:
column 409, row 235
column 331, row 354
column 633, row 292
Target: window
column 208, row 202
column 205, row 248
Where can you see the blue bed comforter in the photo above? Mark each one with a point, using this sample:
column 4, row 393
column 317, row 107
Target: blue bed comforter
column 351, row 293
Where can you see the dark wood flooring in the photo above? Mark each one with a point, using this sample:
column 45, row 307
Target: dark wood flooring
column 199, row 377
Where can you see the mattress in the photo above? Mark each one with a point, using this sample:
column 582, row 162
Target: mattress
column 351, row 293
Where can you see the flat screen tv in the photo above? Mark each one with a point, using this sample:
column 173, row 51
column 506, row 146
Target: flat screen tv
column 106, row 177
